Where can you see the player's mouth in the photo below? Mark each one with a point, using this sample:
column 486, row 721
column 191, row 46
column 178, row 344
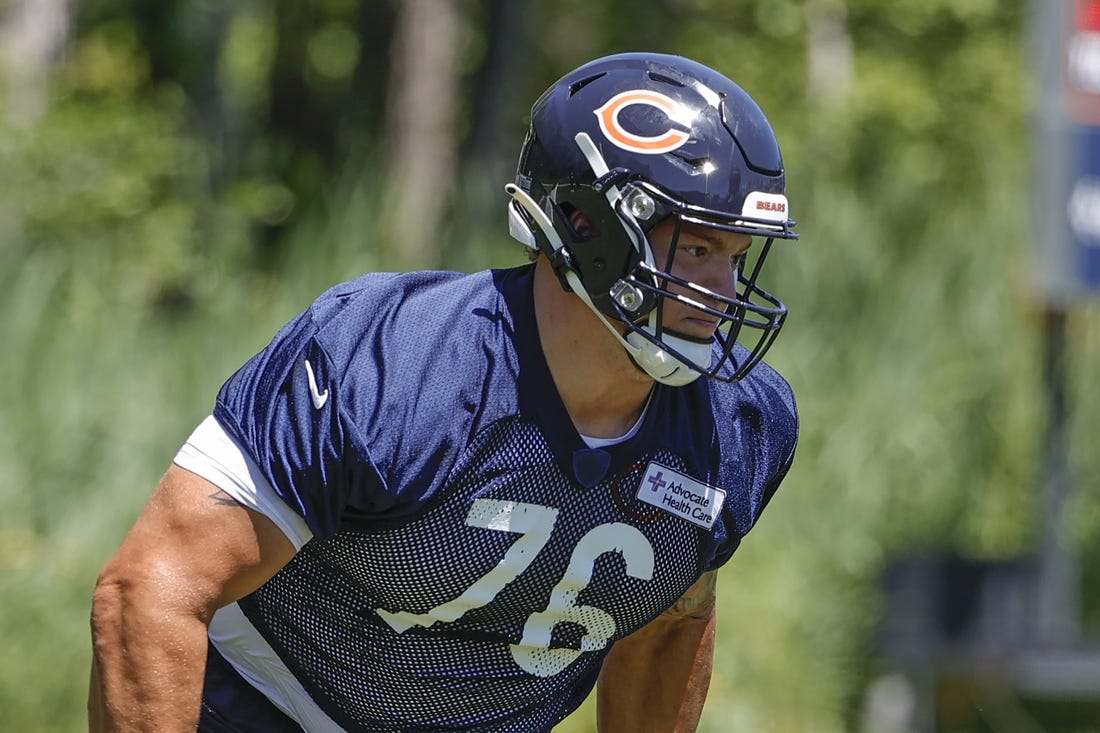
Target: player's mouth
column 693, row 328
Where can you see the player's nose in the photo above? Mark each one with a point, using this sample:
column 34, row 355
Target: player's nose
column 721, row 279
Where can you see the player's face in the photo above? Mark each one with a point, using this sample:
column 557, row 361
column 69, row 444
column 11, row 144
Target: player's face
column 705, row 256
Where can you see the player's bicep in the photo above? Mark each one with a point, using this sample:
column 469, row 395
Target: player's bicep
column 699, row 600
column 200, row 544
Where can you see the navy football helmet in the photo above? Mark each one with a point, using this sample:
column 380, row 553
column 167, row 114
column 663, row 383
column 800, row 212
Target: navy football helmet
column 630, row 140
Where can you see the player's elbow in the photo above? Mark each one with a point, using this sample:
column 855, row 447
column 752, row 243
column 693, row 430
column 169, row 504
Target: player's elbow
column 114, row 592
column 127, row 593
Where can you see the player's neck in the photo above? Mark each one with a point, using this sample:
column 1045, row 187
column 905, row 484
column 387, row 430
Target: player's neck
column 603, row 392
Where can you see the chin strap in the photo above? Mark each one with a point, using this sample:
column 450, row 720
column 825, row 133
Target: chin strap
column 654, row 360
column 650, row 357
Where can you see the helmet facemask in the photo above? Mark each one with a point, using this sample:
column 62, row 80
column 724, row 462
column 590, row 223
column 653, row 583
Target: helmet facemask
column 751, row 317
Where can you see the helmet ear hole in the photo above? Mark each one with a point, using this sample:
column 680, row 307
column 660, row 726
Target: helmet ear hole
column 583, row 227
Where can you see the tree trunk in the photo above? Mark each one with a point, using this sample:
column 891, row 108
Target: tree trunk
column 32, row 34
column 421, row 140
column 495, row 140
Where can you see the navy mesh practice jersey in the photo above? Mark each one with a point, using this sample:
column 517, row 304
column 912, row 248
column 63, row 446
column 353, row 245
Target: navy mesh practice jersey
column 471, row 559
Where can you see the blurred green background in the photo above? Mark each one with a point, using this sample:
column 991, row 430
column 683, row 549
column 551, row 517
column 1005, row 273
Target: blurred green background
column 177, row 179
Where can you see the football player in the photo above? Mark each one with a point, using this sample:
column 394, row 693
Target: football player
column 448, row 502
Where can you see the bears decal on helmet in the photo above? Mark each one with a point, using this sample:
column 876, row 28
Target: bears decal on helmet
column 614, row 131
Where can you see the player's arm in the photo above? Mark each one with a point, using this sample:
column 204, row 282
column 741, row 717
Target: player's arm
column 656, row 679
column 192, row 550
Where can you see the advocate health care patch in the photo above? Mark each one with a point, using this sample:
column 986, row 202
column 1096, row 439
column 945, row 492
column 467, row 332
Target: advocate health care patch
column 681, row 495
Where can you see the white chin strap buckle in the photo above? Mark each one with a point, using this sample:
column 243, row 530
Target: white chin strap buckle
column 663, row 366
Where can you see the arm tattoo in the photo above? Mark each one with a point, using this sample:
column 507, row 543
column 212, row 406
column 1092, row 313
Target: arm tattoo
column 698, row 602
column 224, row 499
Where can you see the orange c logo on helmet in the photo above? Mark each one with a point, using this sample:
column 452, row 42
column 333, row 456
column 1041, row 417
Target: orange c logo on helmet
column 649, row 145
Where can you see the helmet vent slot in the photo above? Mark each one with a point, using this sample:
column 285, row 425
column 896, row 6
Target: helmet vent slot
column 661, row 78
column 702, row 164
column 577, row 86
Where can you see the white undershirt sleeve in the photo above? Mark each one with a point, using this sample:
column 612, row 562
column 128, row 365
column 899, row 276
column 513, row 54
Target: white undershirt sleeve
column 211, row 453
